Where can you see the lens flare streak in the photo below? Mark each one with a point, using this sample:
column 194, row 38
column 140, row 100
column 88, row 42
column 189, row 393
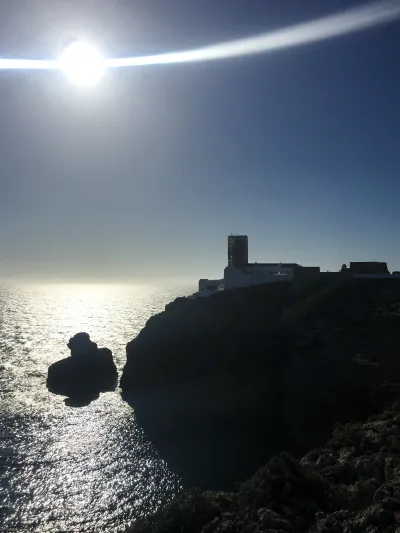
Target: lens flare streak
column 301, row 34
column 321, row 29
column 28, row 64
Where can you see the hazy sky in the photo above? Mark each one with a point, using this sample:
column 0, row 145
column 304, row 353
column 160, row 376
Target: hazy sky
column 144, row 175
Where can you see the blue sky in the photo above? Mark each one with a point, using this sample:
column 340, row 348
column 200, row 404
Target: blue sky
column 144, row 176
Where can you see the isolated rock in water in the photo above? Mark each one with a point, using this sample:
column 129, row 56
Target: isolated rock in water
column 89, row 371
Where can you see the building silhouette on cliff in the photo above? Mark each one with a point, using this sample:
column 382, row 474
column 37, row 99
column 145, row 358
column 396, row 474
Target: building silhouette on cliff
column 240, row 273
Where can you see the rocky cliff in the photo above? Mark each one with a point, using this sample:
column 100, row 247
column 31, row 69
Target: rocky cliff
column 221, row 384
column 350, row 485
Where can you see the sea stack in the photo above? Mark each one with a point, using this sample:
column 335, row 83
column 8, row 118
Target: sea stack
column 85, row 374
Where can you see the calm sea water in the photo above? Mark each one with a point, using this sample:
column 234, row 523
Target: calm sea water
column 63, row 468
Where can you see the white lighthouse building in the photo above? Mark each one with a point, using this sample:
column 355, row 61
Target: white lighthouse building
column 241, row 273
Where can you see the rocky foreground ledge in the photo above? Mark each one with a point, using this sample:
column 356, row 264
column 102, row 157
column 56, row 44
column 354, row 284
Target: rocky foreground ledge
column 351, row 485
column 222, row 384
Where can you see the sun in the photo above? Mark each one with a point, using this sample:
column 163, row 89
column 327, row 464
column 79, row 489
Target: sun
column 82, row 63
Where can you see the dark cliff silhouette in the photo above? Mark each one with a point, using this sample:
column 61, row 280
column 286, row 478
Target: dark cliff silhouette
column 85, row 374
column 221, row 384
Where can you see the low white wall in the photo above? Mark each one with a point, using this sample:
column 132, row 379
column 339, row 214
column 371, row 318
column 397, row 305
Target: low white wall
column 210, row 284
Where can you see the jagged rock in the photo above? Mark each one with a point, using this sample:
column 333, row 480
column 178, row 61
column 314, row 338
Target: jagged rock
column 302, row 496
column 213, row 526
column 85, row 374
column 271, row 520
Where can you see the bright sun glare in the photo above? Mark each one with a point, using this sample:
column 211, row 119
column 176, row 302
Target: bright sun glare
column 82, row 63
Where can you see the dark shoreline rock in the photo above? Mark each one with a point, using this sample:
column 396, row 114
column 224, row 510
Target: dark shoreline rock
column 85, row 374
column 351, row 485
column 221, row 384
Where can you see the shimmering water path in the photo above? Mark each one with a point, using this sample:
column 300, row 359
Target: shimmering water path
column 64, row 468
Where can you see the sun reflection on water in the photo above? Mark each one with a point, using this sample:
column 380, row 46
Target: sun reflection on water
column 62, row 468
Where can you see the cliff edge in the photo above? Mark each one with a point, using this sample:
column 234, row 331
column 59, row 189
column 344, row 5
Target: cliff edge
column 222, row 384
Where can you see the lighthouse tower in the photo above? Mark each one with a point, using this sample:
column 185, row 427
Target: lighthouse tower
column 238, row 250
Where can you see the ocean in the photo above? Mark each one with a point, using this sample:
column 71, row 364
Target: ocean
column 64, row 468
